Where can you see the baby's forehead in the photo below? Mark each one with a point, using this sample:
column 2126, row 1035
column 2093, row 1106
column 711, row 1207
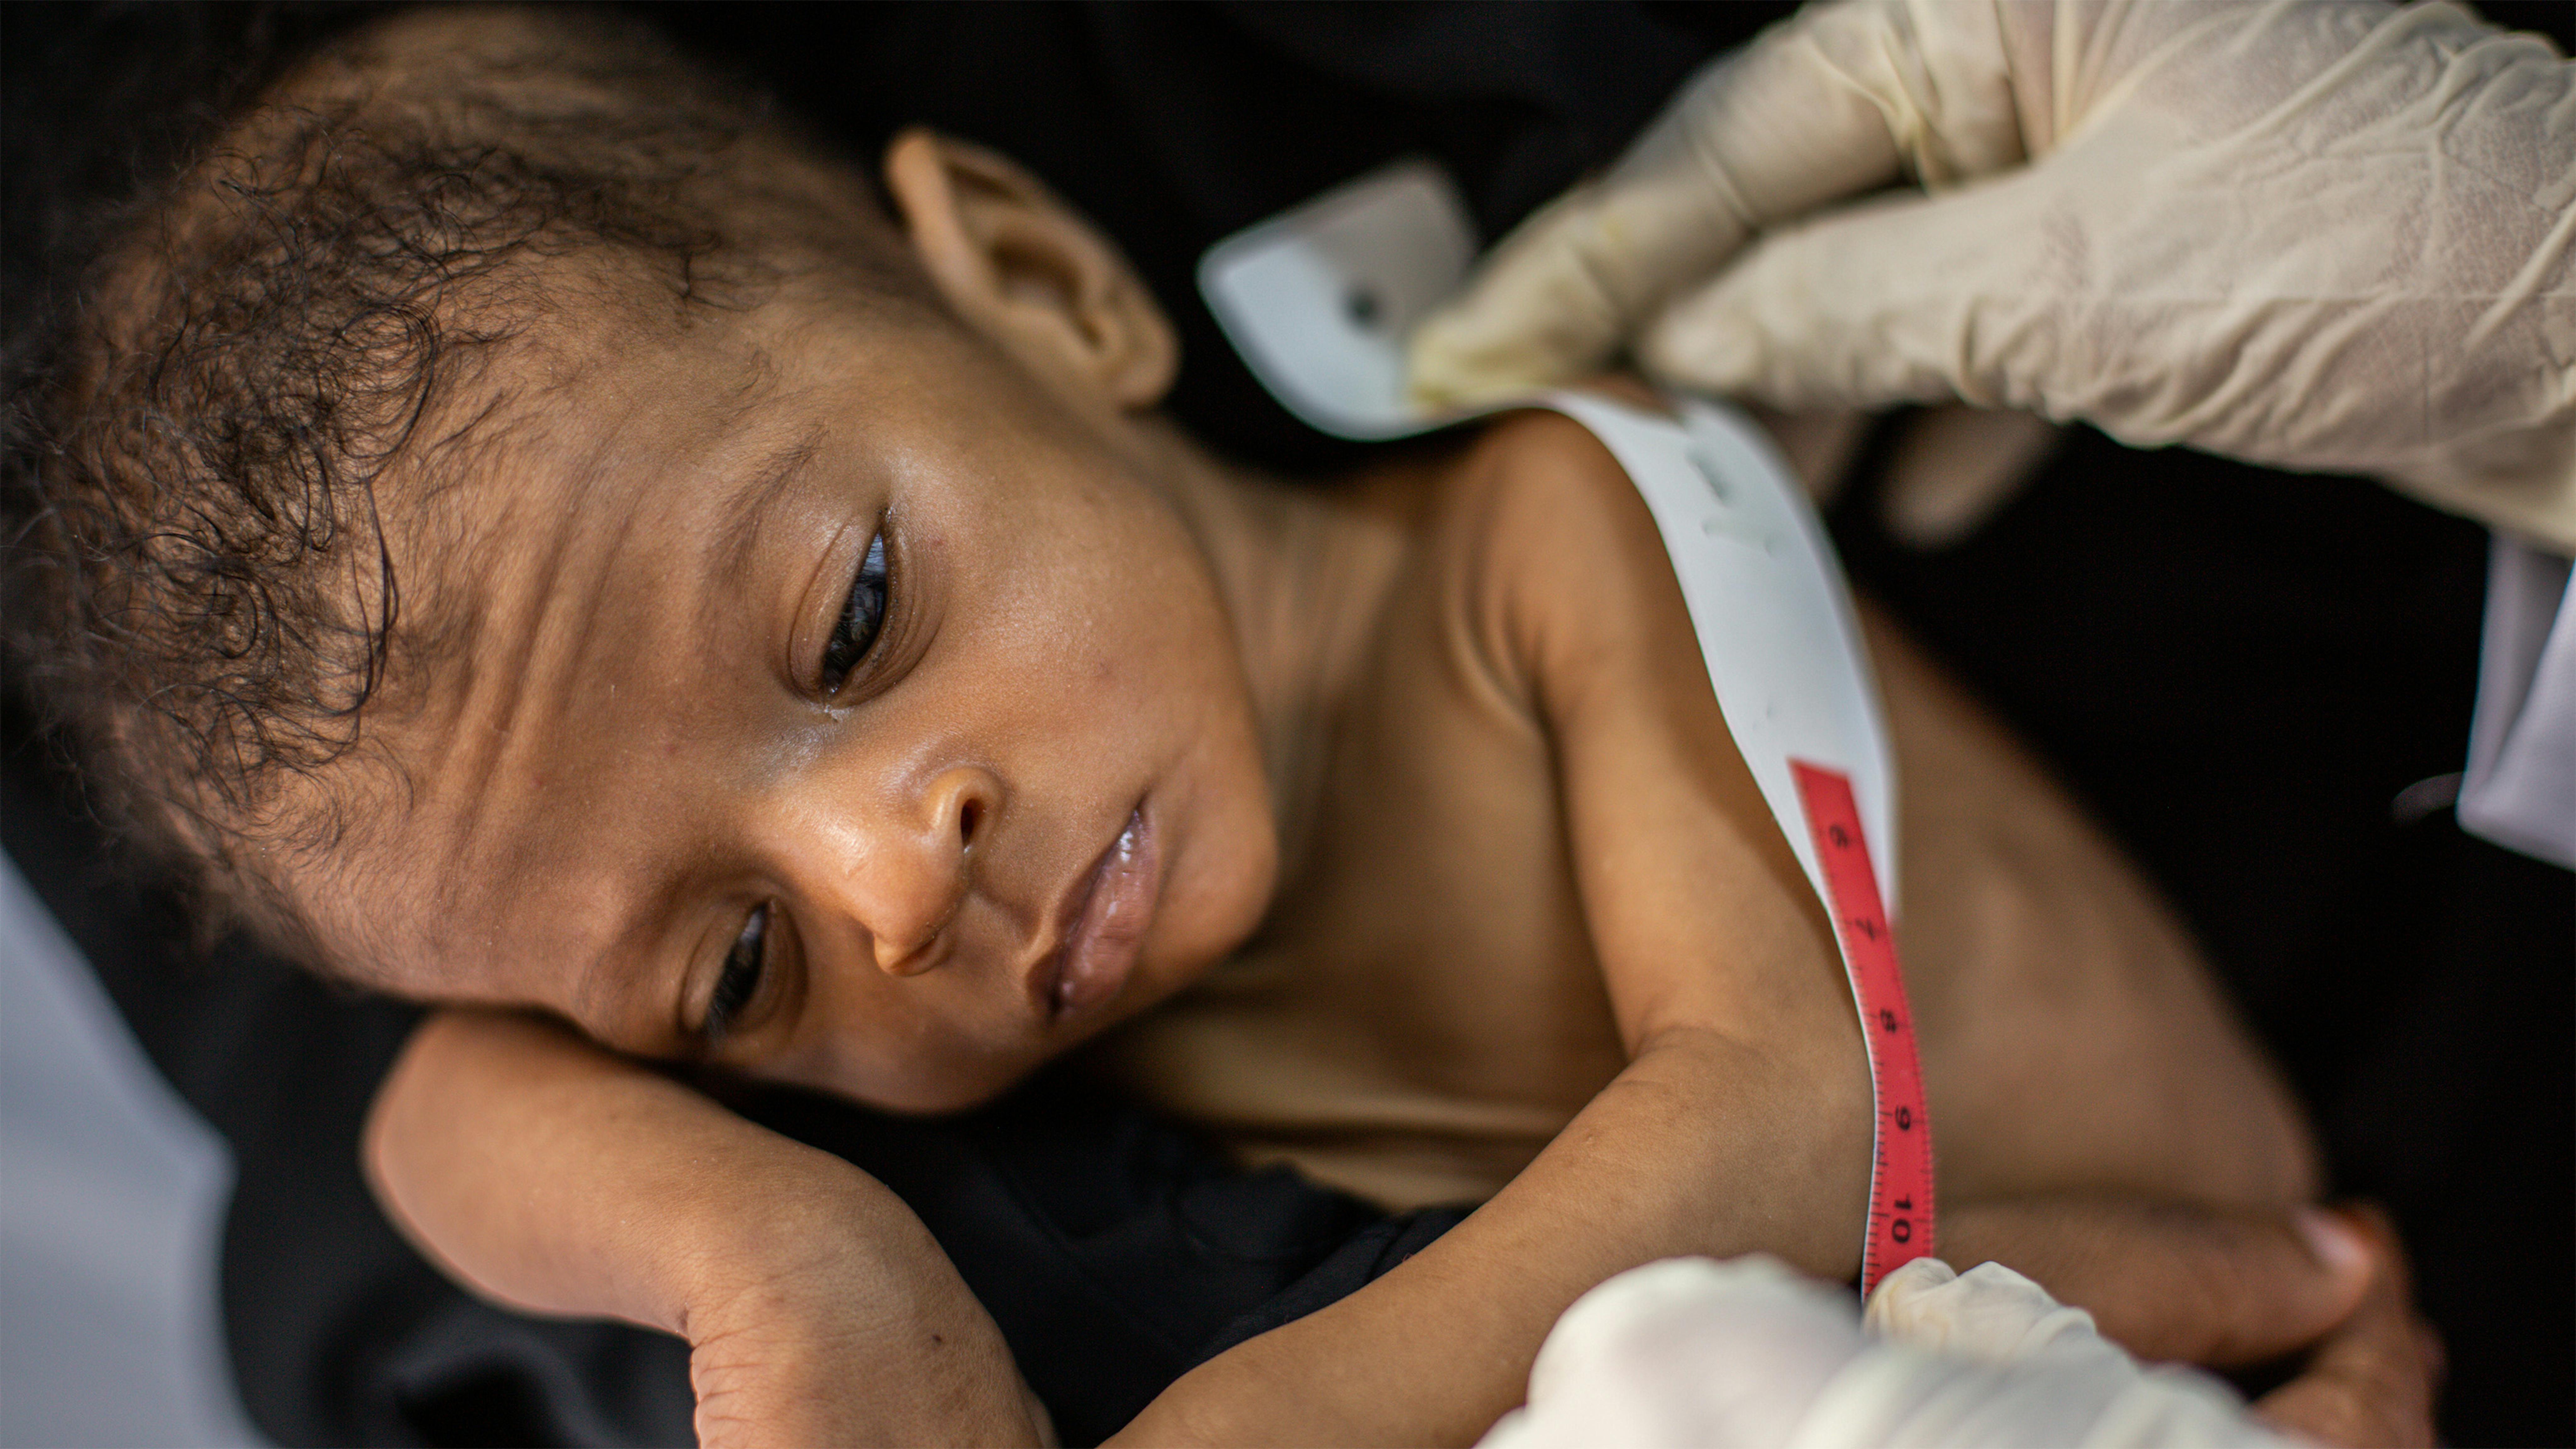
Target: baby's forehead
column 559, row 492
column 560, row 400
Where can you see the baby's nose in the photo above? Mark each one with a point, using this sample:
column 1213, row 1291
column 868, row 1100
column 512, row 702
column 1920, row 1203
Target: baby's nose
column 906, row 939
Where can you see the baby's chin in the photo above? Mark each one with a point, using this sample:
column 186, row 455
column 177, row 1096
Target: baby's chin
column 914, row 1090
column 967, row 1086
column 964, row 1079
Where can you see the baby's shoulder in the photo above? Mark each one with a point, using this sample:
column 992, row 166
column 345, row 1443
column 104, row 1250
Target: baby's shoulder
column 1545, row 537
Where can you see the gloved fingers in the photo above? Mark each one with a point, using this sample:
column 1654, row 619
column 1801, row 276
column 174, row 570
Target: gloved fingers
column 2173, row 1282
column 1810, row 112
column 1952, row 467
column 2373, row 1380
column 1555, row 299
column 1990, row 1314
column 1686, row 1351
column 1820, row 446
column 1909, row 299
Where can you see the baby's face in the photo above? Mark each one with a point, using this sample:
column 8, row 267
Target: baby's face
column 841, row 706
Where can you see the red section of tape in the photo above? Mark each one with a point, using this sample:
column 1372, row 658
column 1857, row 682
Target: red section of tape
column 1900, row 1176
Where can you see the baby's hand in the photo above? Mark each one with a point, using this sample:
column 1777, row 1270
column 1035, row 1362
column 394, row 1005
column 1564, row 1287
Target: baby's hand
column 2234, row 1289
column 556, row 1177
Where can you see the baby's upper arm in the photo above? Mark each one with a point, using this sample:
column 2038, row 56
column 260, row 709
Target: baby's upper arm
column 1699, row 912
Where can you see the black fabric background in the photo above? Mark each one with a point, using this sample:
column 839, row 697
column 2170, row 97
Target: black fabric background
column 2235, row 668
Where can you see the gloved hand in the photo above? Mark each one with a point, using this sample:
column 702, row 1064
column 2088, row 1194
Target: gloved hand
column 1694, row 1354
column 2319, row 236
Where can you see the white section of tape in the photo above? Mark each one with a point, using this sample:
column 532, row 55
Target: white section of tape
column 1319, row 301
column 1770, row 606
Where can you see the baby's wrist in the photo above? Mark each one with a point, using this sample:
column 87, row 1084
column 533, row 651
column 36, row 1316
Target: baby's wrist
column 812, row 1240
column 832, row 1315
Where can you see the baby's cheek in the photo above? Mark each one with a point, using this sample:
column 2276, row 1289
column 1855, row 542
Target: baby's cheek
column 917, row 1066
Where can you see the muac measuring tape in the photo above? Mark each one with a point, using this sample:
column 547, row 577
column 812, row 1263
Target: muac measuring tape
column 1319, row 300
column 1783, row 653
column 1900, row 1174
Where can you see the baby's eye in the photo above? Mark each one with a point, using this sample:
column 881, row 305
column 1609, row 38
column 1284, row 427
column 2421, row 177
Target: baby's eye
column 862, row 616
column 741, row 978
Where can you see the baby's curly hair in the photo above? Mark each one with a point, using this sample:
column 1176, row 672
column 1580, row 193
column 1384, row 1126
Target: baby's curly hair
column 201, row 583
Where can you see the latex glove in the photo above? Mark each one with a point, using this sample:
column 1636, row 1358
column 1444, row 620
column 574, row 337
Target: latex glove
column 1695, row 1354
column 2328, row 236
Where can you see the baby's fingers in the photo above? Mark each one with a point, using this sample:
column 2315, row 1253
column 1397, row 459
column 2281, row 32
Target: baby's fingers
column 2372, row 1381
column 2171, row 1282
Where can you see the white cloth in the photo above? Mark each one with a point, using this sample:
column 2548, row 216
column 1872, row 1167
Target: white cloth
column 1696, row 1354
column 2520, row 787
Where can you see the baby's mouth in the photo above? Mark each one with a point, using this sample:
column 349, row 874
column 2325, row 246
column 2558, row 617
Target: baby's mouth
column 1107, row 925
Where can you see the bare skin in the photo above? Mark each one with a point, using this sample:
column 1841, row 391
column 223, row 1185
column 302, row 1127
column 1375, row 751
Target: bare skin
column 1404, row 808
column 1425, row 1008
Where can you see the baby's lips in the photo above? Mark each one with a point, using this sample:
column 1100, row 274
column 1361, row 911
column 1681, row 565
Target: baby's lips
column 1101, row 950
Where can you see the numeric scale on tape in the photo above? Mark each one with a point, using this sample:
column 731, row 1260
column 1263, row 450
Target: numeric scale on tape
column 1900, row 1171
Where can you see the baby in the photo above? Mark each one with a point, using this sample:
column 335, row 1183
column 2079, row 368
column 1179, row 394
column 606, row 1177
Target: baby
column 536, row 535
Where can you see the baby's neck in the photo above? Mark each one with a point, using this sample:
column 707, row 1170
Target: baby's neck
column 1304, row 571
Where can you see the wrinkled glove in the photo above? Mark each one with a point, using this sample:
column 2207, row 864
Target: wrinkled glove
column 1694, row 1354
column 2330, row 236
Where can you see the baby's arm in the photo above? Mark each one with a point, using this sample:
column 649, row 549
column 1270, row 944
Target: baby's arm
column 1742, row 1119
column 1740, row 1123
column 558, row 1178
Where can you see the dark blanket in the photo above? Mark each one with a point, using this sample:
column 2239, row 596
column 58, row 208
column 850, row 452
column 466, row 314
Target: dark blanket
column 2237, row 669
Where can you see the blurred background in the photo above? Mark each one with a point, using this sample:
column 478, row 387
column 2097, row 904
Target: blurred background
column 2257, row 681
column 111, row 1196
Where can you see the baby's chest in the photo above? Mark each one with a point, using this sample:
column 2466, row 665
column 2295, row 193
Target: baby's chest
column 1424, row 1010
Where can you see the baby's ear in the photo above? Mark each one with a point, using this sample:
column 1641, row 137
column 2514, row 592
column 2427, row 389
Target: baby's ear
column 1026, row 270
